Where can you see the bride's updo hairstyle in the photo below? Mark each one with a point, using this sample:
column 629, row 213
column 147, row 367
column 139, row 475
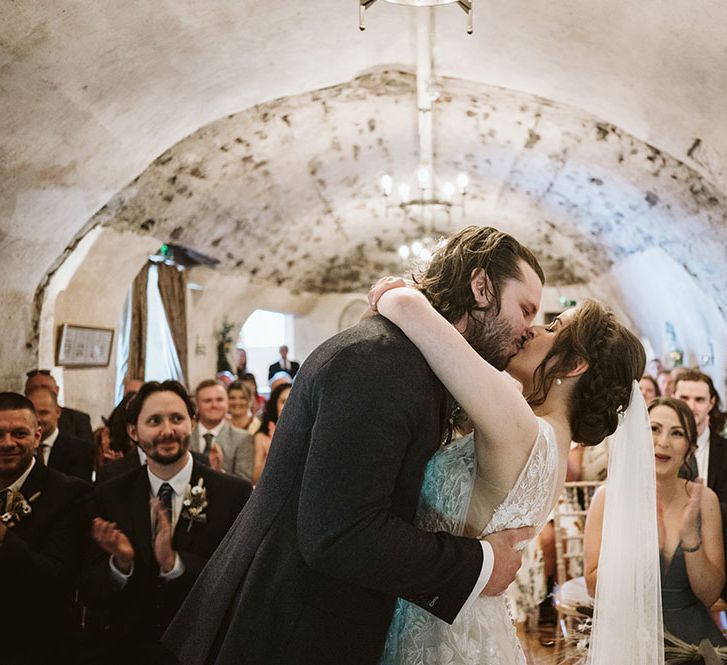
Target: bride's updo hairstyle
column 615, row 359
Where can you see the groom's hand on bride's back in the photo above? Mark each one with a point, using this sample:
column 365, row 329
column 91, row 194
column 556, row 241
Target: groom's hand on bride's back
column 507, row 558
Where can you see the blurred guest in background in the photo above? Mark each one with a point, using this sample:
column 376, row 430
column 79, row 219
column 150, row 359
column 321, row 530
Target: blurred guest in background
column 258, row 400
column 71, row 421
column 649, row 388
column 59, row 450
column 264, row 436
column 283, row 364
column 241, row 401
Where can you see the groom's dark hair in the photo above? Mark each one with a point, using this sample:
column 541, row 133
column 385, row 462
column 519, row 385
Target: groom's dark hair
column 446, row 281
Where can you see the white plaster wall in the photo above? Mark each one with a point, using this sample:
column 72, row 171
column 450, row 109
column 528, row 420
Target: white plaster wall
column 654, row 289
column 89, row 290
column 234, row 298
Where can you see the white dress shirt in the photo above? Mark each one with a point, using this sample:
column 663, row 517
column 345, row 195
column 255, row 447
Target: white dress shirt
column 215, row 431
column 15, row 487
column 702, row 454
column 179, row 483
column 47, row 444
column 488, row 563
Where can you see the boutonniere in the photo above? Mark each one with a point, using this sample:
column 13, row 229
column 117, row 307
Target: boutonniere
column 195, row 504
column 18, row 507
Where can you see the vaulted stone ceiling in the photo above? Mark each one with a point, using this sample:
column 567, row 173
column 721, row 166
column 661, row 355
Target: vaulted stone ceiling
column 289, row 192
column 257, row 133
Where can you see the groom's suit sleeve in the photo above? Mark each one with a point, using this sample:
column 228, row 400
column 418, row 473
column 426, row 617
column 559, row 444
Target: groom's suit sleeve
column 375, row 408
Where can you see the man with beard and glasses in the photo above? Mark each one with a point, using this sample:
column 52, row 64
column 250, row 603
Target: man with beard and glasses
column 154, row 528
column 311, row 570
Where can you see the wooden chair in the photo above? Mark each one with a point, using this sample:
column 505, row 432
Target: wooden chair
column 569, row 521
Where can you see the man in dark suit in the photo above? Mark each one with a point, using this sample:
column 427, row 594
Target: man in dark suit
column 311, row 570
column 71, row 421
column 145, row 561
column 710, row 459
column 283, row 365
column 40, row 548
column 59, row 450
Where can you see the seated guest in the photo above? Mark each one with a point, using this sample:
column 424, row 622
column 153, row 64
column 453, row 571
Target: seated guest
column 241, row 364
column 649, row 388
column 690, row 530
column 709, row 461
column 283, row 364
column 59, row 450
column 145, row 560
column 258, row 400
column 73, row 422
column 40, row 547
column 214, row 435
column 280, row 378
column 225, row 377
column 665, row 382
column 241, row 401
column 264, row 436
column 102, row 451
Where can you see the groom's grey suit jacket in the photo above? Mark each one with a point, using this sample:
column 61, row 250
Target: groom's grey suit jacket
column 237, row 452
column 311, row 569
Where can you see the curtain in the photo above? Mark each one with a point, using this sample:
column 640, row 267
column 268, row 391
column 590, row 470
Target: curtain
column 173, row 290
column 161, row 360
column 137, row 334
column 122, row 348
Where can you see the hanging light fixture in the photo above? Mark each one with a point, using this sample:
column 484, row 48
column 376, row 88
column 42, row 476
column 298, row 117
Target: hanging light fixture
column 422, row 194
column 465, row 5
column 427, row 196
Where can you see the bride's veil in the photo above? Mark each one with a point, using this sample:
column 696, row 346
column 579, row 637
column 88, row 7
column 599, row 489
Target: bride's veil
column 627, row 621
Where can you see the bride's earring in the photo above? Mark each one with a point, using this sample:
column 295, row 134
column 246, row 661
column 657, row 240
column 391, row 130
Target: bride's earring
column 558, row 381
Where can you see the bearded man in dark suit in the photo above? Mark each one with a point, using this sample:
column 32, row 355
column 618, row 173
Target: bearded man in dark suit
column 145, row 559
column 42, row 533
column 311, row 570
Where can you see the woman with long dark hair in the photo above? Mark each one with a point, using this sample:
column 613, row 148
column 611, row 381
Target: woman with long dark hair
column 264, row 436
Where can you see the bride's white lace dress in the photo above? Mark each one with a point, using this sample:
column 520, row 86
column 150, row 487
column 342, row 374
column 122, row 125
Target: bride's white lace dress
column 483, row 633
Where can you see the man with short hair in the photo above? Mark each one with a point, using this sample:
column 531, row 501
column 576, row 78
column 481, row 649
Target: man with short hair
column 71, row 421
column 283, row 364
column 59, row 450
column 42, row 533
column 709, row 461
column 214, row 434
column 155, row 527
column 665, row 381
column 698, row 391
column 311, row 571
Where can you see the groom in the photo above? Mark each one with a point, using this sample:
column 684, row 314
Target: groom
column 310, row 571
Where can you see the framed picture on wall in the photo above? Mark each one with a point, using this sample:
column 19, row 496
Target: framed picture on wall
column 81, row 346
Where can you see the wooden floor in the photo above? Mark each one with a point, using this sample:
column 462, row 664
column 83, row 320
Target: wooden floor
column 533, row 644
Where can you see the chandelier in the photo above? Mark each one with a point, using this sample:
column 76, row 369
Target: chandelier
column 465, row 5
column 427, row 196
column 422, row 195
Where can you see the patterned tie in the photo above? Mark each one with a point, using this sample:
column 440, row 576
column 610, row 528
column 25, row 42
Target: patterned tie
column 208, row 439
column 165, row 497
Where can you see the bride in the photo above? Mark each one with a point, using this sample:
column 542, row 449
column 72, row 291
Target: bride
column 577, row 376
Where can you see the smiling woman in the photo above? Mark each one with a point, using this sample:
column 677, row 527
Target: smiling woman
column 690, row 530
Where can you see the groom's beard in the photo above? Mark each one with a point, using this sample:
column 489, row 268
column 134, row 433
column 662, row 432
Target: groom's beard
column 491, row 336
